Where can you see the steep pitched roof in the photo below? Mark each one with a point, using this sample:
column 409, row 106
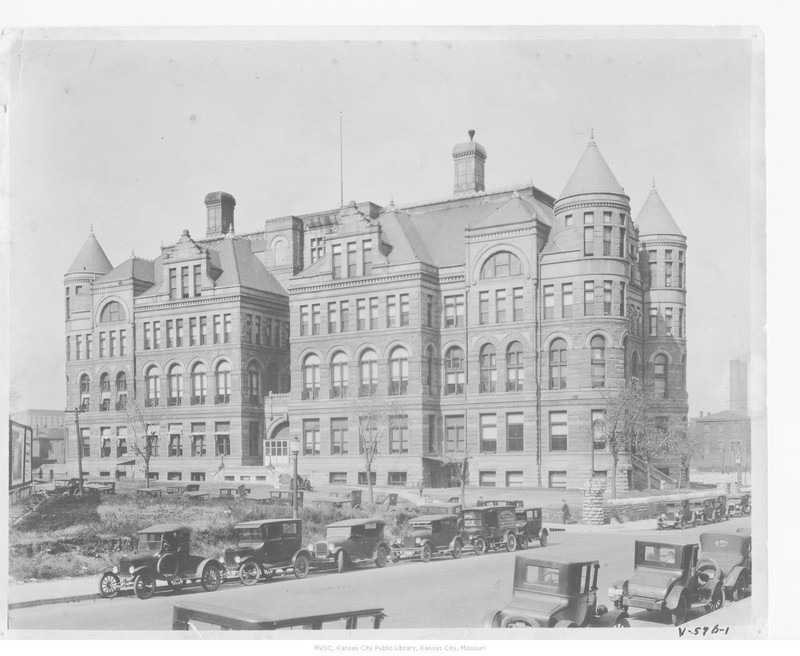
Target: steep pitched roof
column 514, row 211
column 241, row 267
column 133, row 267
column 654, row 217
column 592, row 175
column 91, row 258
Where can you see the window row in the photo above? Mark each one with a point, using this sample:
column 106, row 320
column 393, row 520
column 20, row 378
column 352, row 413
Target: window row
column 198, row 332
column 671, row 325
column 596, row 300
column 357, row 258
column 589, row 218
column 503, row 310
column 604, row 241
column 393, row 478
column 665, row 276
column 120, row 388
column 263, row 331
column 185, row 281
column 345, row 439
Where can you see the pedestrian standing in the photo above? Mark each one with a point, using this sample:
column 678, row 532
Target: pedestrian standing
column 421, row 485
column 565, row 511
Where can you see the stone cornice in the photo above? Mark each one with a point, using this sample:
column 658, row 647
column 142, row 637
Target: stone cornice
column 645, row 242
column 571, row 205
column 346, row 283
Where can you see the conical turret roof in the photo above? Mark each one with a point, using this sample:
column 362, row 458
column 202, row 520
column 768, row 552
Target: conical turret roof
column 91, row 258
column 592, row 175
column 654, row 217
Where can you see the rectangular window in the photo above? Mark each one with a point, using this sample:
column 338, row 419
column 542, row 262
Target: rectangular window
column 333, row 318
column 339, row 437
column 86, row 445
column 558, row 431
column 148, row 336
column 311, row 437
column 668, row 321
column 257, row 334
column 185, row 282
column 247, row 333
column 217, row 321
column 429, row 310
column 112, row 343
column 175, row 446
column 336, row 261
column 267, row 331
column 500, row 305
column 67, row 302
column 78, row 346
column 454, row 433
column 557, row 480
column 514, row 479
column 69, row 349
column 622, row 299
column 203, row 331
column 653, row 322
column 122, row 342
column 433, row 442
column 606, row 217
column 588, row 298
column 549, row 301
column 398, row 434
column 568, row 220
column 515, row 432
column 156, row 334
column 362, row 478
column 337, row 478
column 196, row 279
column 680, row 322
column 222, row 438
column 351, row 260
column 170, row 334
column 516, row 303
column 198, row 436
column 391, row 312
column 102, row 345
column 588, row 240
column 622, row 237
column 178, row 332
column 483, row 308
column 174, row 476
column 668, row 274
column 566, row 299
column 361, row 314
column 487, row 479
column 105, row 441
column 607, row 291
column 405, row 309
column 197, row 476
column 194, row 335
column 373, row 313
column 453, row 311
column 173, row 283
column 317, row 250
column 304, row 320
column 588, row 217
column 598, row 430
column 651, row 268
column 366, row 257
column 668, row 255
column 607, row 230
column 227, row 325
column 488, row 433
column 398, row 478
column 122, row 441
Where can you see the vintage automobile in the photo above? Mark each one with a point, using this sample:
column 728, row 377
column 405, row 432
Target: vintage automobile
column 302, row 483
column 195, row 617
column 738, row 505
column 490, row 527
column 731, row 553
column 701, row 511
column 281, row 498
column 350, row 499
column 669, row 578
column 516, row 503
column 438, row 509
column 554, row 594
column 64, row 487
column 163, row 554
column 266, row 548
column 350, row 542
column 719, row 506
column 429, row 535
column 677, row 514
column 529, row 527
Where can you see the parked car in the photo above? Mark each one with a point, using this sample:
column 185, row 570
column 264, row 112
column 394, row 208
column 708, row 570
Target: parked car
column 529, row 527
column 669, row 578
column 490, row 527
column 350, row 542
column 702, row 511
column 302, row 483
column 738, row 505
column 266, row 548
column 516, row 503
column 719, row 505
column 429, row 535
column 677, row 514
column 557, row 594
column 163, row 554
column 731, row 553
column 438, row 509
column 64, row 487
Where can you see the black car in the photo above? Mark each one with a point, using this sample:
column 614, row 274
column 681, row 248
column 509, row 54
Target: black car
column 529, row 527
column 490, row 527
column 429, row 535
column 350, row 542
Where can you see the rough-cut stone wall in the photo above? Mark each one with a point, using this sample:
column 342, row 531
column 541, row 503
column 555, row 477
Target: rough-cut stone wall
column 629, row 510
column 594, row 511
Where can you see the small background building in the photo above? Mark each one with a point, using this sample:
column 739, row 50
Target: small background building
column 48, row 435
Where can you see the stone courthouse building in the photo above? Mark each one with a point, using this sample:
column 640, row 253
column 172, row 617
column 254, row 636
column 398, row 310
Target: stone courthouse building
column 495, row 322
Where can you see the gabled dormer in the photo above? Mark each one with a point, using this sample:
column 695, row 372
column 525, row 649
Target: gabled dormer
column 187, row 269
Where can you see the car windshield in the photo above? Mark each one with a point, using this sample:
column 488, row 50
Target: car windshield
column 541, row 575
column 250, row 534
column 421, row 526
column 338, row 532
column 660, row 554
column 149, row 541
column 472, row 520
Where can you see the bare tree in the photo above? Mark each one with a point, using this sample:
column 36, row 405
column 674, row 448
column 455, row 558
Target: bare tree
column 456, row 456
column 651, row 442
column 684, row 445
column 144, row 423
column 376, row 415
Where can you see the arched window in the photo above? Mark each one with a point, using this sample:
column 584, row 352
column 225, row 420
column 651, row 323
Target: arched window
column 152, row 384
column 598, row 345
column 635, row 367
column 199, row 384
column 311, row 377
column 625, row 371
column 122, row 391
column 515, row 368
column 105, row 383
column 683, row 373
column 113, row 311
column 558, row 364
column 253, row 383
column 454, row 370
column 273, row 378
column 429, row 367
column 398, row 371
column 660, row 376
column 340, row 375
column 223, row 378
column 488, row 358
column 105, row 393
column 368, row 373
column 175, row 385
column 281, row 252
column 501, row 265
column 84, row 383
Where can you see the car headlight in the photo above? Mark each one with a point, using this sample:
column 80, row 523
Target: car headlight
column 130, row 570
column 331, row 546
column 115, row 569
column 237, row 559
column 310, row 547
column 614, row 592
column 417, row 541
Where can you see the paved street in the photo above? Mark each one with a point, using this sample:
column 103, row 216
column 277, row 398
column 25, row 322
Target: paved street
column 444, row 593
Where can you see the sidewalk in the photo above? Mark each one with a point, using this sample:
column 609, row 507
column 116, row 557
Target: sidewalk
column 56, row 591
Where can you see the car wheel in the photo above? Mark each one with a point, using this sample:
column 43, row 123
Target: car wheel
column 381, row 557
column 678, row 616
column 211, row 579
column 682, row 523
column 621, row 623
column 249, row 572
column 109, row 585
column 660, row 525
column 511, row 542
column 426, row 554
column 694, row 522
column 176, row 585
column 543, row 538
column 522, row 542
column 517, row 622
column 457, row 549
column 737, row 593
column 620, row 606
column 717, row 598
column 301, row 565
column 480, row 546
column 144, row 585
column 340, row 562
column 492, row 620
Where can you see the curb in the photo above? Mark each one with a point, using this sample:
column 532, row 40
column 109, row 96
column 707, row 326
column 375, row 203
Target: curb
column 62, row 600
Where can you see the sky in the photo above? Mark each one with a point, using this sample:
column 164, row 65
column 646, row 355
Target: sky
column 127, row 136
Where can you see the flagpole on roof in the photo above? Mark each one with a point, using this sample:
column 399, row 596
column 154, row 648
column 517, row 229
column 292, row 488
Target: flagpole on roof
column 341, row 162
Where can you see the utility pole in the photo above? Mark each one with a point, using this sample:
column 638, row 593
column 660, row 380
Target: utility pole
column 80, row 449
